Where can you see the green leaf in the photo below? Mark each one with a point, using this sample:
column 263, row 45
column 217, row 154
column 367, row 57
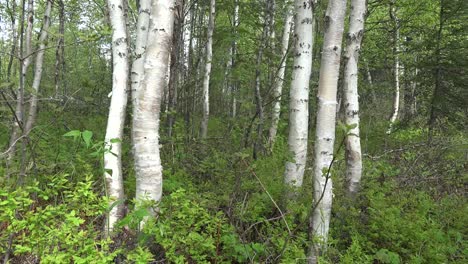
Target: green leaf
column 115, row 140
column 87, row 136
column 73, row 133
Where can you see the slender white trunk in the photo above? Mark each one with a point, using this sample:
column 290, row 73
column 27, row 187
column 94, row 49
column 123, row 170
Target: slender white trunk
column 38, row 69
column 326, row 116
column 137, row 74
column 351, row 96
column 187, row 36
column 278, row 84
column 396, row 68
column 116, row 118
column 234, row 83
column 206, row 78
column 299, row 94
column 25, row 55
column 147, row 107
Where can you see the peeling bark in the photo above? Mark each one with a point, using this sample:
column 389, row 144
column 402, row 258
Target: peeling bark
column 147, row 105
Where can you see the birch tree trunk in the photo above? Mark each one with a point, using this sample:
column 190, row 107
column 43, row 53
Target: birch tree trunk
column 234, row 83
column 16, row 122
column 278, row 84
column 326, row 117
column 25, row 55
column 206, row 78
column 116, row 118
column 351, row 95
column 137, row 73
column 147, row 105
column 38, row 68
column 299, row 93
column 396, row 67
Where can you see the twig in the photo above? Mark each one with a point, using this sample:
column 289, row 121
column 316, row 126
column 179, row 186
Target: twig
column 269, row 195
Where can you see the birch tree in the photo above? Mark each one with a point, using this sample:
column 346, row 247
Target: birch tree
column 25, row 52
column 38, row 68
column 396, row 65
column 147, row 104
column 137, row 73
column 278, row 84
column 116, row 118
column 351, row 95
column 299, row 93
column 326, row 116
column 206, row 77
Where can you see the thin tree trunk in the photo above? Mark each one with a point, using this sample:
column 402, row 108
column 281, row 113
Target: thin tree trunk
column 437, row 93
column 299, row 93
column 138, row 70
column 206, row 78
column 117, row 110
column 234, row 82
column 396, row 67
column 369, row 81
column 351, row 95
column 16, row 122
column 25, row 60
column 326, row 117
column 59, row 53
column 278, row 83
column 148, row 168
column 38, row 68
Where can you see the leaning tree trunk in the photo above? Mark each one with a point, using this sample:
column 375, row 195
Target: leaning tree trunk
column 351, row 95
column 147, row 105
column 299, row 94
column 326, row 116
column 278, row 84
column 396, row 66
column 25, row 60
column 116, row 119
column 206, row 78
column 38, row 69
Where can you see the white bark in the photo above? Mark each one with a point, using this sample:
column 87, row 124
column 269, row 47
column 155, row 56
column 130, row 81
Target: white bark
column 116, row 118
column 206, row 78
column 396, row 68
column 137, row 74
column 299, row 94
column 326, row 116
column 147, row 106
column 351, row 96
column 187, row 35
column 278, row 85
column 38, row 69
column 25, row 55
column 234, row 83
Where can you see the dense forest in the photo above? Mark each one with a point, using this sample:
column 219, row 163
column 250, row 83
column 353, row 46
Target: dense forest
column 233, row 131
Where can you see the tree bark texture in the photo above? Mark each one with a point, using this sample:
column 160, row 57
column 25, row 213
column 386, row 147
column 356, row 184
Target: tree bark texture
column 299, row 93
column 326, row 117
column 117, row 110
